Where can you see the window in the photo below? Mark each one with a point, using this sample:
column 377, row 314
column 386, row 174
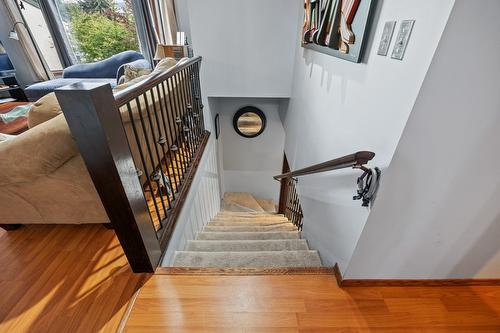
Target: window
column 34, row 19
column 98, row 29
column 92, row 29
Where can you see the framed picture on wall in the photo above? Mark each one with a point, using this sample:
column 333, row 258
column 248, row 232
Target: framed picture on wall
column 336, row 27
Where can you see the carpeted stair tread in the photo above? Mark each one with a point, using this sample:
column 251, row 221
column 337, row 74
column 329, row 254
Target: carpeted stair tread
column 254, row 221
column 241, row 199
column 245, row 218
column 255, row 259
column 267, row 204
column 233, row 207
column 232, row 228
column 248, row 235
column 247, row 214
column 251, row 223
column 250, row 217
column 247, row 245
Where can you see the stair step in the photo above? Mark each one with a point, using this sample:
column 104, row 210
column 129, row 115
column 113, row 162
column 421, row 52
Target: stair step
column 247, row 245
column 250, row 218
column 267, row 204
column 245, row 271
column 247, row 259
column 252, row 223
column 247, row 214
column 248, row 235
column 237, row 228
column 233, row 207
column 241, row 200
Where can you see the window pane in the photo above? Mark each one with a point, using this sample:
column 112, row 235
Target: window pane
column 36, row 22
column 98, row 29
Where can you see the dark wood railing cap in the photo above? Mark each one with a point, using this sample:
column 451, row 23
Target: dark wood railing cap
column 353, row 160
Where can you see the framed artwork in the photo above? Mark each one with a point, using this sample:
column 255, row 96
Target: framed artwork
column 385, row 41
column 402, row 39
column 336, row 27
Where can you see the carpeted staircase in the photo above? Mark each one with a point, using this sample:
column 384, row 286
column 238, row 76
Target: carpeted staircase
column 247, row 233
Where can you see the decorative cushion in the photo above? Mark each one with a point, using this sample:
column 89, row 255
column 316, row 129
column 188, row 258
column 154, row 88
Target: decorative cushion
column 44, row 109
column 131, row 72
column 141, row 63
column 165, row 64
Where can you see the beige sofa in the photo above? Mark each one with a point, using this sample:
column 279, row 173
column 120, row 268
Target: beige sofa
column 43, row 178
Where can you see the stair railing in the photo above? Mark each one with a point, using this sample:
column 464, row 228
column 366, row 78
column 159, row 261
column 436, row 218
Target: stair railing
column 141, row 146
column 289, row 203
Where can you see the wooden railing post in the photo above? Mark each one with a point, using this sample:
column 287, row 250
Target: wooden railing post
column 97, row 128
column 283, row 187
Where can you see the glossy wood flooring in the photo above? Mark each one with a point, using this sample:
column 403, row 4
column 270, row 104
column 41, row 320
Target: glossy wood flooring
column 305, row 303
column 63, row 279
column 76, row 279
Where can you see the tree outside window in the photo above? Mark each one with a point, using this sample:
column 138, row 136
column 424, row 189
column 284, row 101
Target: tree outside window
column 98, row 29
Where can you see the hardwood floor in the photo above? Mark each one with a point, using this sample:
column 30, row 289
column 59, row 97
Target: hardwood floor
column 305, row 303
column 63, row 279
column 76, row 279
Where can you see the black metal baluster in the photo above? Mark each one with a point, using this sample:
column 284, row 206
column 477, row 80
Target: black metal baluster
column 185, row 120
column 163, row 109
column 173, row 104
column 198, row 93
column 194, row 106
column 156, row 177
column 178, row 121
column 189, row 109
column 288, row 199
column 141, row 154
column 159, row 141
column 293, row 202
column 148, row 145
column 172, row 130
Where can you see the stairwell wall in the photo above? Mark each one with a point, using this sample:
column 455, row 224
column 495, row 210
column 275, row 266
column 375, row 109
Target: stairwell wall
column 338, row 107
column 249, row 164
column 438, row 213
column 201, row 205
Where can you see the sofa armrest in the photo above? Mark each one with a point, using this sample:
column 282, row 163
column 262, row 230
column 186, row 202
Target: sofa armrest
column 36, row 152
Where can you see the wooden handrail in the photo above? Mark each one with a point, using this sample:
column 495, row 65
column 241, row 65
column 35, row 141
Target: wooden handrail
column 354, row 160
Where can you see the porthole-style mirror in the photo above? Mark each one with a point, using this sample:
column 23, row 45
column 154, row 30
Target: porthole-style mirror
column 249, row 122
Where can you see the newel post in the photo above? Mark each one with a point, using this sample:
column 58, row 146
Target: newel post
column 97, row 128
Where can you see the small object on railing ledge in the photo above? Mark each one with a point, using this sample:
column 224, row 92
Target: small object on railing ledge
column 368, row 184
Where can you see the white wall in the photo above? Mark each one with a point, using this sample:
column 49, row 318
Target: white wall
column 248, row 46
column 202, row 203
column 338, row 107
column 249, row 164
column 438, row 211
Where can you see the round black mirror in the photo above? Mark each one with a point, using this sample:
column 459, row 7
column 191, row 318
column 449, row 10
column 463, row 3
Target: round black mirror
column 249, row 122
